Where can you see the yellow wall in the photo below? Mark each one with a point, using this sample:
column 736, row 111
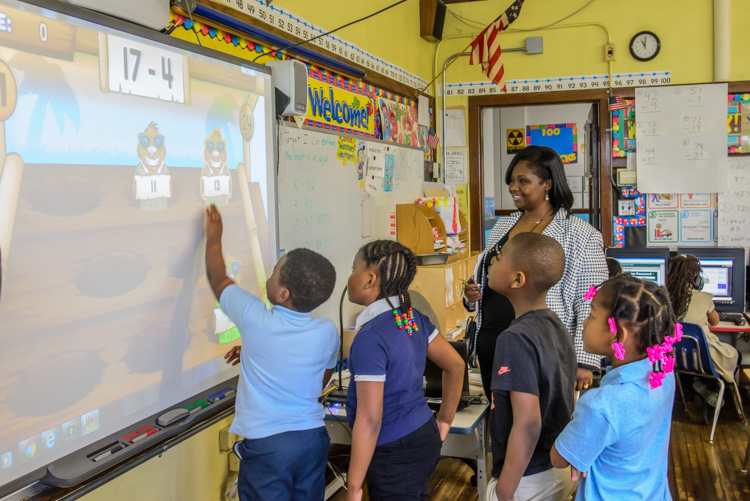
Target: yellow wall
column 685, row 28
column 196, row 469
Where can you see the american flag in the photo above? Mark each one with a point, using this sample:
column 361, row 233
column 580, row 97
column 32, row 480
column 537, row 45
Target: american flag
column 617, row 103
column 485, row 49
column 432, row 139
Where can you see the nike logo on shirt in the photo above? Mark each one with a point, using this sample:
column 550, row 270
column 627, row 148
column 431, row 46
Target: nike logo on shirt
column 503, row 370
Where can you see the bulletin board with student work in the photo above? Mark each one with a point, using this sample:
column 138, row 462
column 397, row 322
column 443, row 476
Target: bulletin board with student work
column 338, row 192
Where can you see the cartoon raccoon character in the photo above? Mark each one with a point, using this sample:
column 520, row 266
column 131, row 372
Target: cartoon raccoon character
column 216, row 181
column 152, row 184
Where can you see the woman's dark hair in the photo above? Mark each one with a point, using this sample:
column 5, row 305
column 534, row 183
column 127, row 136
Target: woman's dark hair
column 643, row 307
column 396, row 265
column 683, row 271
column 545, row 163
column 310, row 278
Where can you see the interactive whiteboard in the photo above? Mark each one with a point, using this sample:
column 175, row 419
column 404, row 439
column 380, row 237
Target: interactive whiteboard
column 114, row 142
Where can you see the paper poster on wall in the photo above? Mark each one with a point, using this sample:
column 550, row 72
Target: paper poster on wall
column 663, row 227
column 390, row 163
column 455, row 166
column 375, row 160
column 563, row 138
column 662, row 201
column 697, row 200
column 455, row 127
column 423, row 110
column 514, row 140
column 361, row 162
column 696, row 226
column 462, row 193
column 346, row 149
column 681, row 138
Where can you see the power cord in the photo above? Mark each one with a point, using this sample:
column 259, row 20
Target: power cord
column 328, row 32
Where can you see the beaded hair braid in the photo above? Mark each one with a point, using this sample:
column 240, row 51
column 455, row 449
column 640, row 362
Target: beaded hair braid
column 397, row 267
column 647, row 310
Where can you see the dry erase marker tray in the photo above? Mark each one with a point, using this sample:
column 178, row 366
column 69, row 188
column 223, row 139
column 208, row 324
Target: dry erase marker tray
column 118, row 447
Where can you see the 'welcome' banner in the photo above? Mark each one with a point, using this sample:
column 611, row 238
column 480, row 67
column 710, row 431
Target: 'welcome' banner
column 336, row 104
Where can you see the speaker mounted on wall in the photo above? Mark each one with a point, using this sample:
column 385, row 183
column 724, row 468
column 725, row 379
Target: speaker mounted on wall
column 431, row 19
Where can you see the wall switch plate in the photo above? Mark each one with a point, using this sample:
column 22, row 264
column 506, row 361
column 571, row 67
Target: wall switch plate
column 626, row 207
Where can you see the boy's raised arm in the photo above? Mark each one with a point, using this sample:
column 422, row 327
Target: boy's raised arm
column 215, row 267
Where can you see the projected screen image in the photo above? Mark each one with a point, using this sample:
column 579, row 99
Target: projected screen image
column 649, row 269
column 717, row 278
column 114, row 145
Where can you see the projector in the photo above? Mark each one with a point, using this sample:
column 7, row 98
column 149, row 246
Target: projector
column 152, row 14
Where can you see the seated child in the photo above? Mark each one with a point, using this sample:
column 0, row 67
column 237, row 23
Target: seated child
column 288, row 356
column 619, row 436
column 691, row 304
column 534, row 374
column 396, row 439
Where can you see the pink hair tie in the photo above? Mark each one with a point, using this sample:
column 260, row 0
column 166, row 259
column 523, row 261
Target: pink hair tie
column 656, row 378
column 670, row 340
column 612, row 325
column 654, row 354
column 678, row 331
column 590, row 294
column 619, row 351
column 668, row 364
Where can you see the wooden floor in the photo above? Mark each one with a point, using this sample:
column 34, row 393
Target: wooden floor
column 697, row 471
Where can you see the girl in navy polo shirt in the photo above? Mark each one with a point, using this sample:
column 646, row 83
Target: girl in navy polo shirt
column 396, row 440
column 619, row 436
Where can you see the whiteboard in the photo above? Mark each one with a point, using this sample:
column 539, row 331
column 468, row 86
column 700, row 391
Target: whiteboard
column 323, row 208
column 681, row 136
column 734, row 205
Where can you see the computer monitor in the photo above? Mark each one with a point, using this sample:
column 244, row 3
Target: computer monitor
column 434, row 374
column 723, row 275
column 645, row 263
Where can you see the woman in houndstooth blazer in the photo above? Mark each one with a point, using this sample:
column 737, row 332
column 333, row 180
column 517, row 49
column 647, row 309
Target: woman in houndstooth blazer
column 536, row 181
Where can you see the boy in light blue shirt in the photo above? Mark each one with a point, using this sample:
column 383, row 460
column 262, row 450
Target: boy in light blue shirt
column 287, row 358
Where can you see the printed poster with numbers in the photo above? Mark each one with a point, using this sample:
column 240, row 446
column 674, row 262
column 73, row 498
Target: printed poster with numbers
column 696, row 227
column 663, row 227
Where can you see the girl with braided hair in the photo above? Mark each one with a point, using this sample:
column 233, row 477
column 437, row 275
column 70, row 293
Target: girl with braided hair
column 396, row 440
column 619, row 436
column 691, row 304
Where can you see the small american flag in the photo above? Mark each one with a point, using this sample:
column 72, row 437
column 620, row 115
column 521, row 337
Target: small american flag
column 485, row 49
column 617, row 103
column 432, row 139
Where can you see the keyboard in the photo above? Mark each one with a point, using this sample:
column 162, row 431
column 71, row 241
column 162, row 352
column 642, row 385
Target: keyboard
column 735, row 318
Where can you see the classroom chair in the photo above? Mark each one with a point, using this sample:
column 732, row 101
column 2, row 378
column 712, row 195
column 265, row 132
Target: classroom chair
column 692, row 357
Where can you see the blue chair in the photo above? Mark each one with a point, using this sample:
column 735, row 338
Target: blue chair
column 692, row 357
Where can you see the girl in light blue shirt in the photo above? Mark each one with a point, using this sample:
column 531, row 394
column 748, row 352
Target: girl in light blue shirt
column 618, row 439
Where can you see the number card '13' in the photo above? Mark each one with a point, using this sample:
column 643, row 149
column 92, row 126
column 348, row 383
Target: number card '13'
column 135, row 68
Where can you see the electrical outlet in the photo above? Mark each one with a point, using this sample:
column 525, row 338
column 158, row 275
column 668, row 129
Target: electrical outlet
column 609, row 52
column 626, row 207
